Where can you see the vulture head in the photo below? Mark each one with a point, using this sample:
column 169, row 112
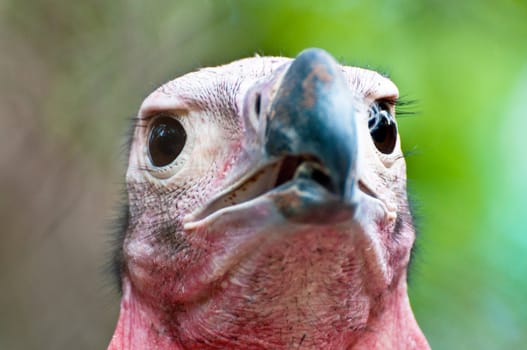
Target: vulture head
column 267, row 209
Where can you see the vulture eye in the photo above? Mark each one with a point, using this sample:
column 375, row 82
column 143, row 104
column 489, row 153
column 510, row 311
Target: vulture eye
column 383, row 129
column 166, row 140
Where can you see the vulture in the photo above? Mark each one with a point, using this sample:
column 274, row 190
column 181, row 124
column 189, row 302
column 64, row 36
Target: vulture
column 267, row 209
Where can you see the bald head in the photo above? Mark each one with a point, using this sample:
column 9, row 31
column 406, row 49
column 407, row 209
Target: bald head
column 267, row 208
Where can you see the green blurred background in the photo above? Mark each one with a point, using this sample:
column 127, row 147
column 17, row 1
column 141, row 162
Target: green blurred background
column 72, row 74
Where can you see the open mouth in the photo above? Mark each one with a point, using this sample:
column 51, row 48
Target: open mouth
column 307, row 167
column 264, row 180
column 270, row 178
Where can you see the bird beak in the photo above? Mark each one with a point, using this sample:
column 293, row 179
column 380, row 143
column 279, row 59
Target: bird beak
column 311, row 119
column 312, row 115
column 302, row 140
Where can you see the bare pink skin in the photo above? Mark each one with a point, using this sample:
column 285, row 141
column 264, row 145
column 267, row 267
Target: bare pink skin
column 241, row 280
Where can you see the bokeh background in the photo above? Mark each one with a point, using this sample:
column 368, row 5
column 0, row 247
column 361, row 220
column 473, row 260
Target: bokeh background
column 72, row 74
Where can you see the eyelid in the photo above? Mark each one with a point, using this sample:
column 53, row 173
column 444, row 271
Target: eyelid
column 388, row 104
column 176, row 112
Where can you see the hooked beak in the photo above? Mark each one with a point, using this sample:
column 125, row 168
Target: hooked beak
column 303, row 144
column 312, row 115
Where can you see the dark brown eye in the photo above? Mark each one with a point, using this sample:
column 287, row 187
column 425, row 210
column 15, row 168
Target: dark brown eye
column 166, row 140
column 383, row 129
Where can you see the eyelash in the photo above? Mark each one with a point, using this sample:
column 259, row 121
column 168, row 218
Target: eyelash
column 404, row 107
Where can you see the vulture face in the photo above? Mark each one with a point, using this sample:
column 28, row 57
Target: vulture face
column 267, row 209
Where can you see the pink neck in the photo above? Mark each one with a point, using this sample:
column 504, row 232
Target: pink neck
column 388, row 325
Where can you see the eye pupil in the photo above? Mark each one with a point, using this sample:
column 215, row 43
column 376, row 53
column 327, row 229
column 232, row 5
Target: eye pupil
column 383, row 129
column 166, row 141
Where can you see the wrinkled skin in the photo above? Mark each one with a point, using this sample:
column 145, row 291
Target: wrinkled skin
column 215, row 257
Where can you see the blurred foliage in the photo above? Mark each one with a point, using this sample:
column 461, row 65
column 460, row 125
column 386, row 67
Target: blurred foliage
column 72, row 73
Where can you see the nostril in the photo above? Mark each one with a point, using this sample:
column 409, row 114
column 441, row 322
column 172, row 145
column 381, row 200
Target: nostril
column 258, row 105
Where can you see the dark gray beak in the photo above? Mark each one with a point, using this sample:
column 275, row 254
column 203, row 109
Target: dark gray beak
column 300, row 146
column 312, row 116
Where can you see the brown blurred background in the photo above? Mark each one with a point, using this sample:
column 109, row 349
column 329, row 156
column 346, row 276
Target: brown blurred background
column 73, row 74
